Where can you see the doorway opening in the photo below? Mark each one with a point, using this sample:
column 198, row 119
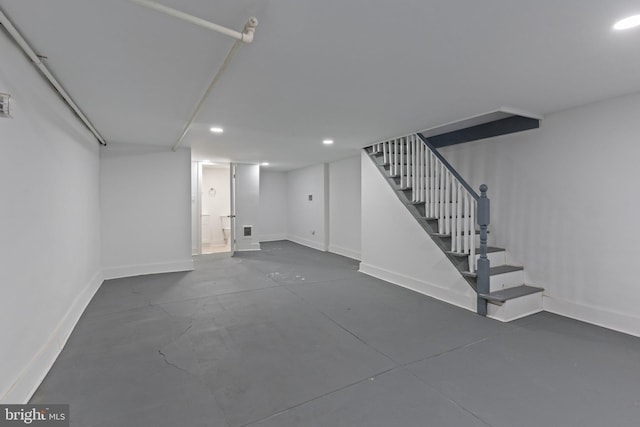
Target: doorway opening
column 211, row 208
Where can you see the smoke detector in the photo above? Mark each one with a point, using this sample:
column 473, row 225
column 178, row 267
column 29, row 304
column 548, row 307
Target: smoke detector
column 4, row 105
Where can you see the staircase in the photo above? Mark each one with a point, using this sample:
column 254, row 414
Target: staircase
column 456, row 218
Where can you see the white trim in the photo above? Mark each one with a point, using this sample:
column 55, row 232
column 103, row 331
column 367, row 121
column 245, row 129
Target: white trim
column 252, row 249
column 273, row 237
column 621, row 322
column 30, row 378
column 466, row 301
column 142, row 269
column 305, row 242
column 349, row 253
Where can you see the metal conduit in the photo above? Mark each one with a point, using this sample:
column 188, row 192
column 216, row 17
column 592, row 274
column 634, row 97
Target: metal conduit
column 12, row 30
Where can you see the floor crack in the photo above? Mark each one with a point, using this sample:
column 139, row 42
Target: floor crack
column 173, row 365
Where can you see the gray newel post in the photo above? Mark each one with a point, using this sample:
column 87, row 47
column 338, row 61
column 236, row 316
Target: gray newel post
column 483, row 263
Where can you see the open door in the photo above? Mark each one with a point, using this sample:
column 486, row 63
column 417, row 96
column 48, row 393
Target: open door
column 232, row 210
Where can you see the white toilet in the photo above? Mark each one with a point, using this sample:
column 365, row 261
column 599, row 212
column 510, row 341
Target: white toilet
column 225, row 221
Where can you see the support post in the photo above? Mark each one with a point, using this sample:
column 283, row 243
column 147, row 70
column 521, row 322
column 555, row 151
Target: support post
column 483, row 263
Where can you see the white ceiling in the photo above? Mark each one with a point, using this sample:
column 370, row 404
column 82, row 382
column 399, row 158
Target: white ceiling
column 357, row 71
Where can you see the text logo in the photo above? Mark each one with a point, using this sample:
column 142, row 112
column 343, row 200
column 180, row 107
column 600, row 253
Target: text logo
column 34, row 415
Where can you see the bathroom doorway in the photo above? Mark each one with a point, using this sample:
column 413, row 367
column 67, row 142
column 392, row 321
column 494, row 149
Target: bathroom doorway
column 211, row 208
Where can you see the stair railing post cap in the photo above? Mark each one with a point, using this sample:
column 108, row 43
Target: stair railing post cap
column 484, row 188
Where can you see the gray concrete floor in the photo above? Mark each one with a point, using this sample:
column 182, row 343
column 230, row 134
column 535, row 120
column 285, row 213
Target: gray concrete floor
column 290, row 336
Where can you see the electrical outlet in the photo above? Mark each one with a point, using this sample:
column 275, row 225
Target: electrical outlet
column 5, row 105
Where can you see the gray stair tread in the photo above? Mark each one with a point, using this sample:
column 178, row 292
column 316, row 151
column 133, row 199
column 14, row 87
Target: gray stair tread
column 461, row 233
column 500, row 269
column 511, row 293
column 490, row 249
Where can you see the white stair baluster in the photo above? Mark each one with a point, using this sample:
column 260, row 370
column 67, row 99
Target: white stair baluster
column 397, row 141
column 421, row 173
column 408, row 180
column 465, row 241
column 459, row 218
column 432, row 189
column 392, row 170
column 427, row 182
column 438, row 181
column 447, row 200
column 402, row 162
column 385, row 152
column 428, row 207
column 454, row 215
column 472, row 248
column 392, row 157
column 414, row 177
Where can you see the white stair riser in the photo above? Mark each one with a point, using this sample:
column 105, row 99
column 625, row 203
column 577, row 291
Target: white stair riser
column 477, row 236
column 516, row 308
column 506, row 280
column 500, row 258
column 495, row 258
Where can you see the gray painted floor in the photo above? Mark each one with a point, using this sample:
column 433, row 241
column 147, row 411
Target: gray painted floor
column 290, row 336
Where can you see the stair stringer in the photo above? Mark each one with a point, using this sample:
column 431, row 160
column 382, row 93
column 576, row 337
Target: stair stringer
column 395, row 248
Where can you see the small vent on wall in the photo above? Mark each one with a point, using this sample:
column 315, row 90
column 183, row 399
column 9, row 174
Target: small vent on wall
column 246, row 231
column 4, row 105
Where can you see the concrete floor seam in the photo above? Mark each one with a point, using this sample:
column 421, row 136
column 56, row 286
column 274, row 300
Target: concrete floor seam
column 449, row 398
column 451, row 350
column 345, row 328
column 371, row 378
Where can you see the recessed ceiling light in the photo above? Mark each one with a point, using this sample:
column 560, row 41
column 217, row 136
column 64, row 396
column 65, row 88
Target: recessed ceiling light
column 264, row 164
column 216, row 129
column 327, row 141
column 626, row 23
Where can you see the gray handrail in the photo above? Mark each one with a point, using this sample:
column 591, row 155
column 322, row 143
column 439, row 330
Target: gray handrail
column 447, row 165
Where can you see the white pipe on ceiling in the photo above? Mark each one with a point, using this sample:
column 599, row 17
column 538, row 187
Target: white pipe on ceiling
column 206, row 93
column 11, row 29
column 246, row 36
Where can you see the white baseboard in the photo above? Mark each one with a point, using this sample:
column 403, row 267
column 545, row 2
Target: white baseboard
column 349, row 253
column 140, row 270
column 466, row 301
column 620, row 322
column 30, row 378
column 251, row 249
column 272, row 237
column 306, row 242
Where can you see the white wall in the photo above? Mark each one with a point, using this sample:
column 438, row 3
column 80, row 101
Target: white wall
column 308, row 221
column 49, row 223
column 247, row 206
column 146, row 211
column 565, row 203
column 273, row 206
column 396, row 248
column 215, row 203
column 344, row 207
